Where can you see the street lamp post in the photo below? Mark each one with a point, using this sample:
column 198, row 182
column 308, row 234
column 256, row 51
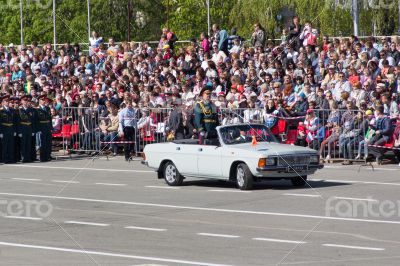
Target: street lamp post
column 22, row 21
column 355, row 16
column 398, row 32
column 54, row 25
column 208, row 17
column 88, row 17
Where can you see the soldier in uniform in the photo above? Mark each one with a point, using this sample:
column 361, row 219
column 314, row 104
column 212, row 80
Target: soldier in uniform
column 25, row 130
column 205, row 116
column 34, row 114
column 8, row 130
column 44, row 128
column 17, row 140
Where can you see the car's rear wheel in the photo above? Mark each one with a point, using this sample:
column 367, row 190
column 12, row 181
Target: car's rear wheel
column 299, row 181
column 171, row 175
column 244, row 178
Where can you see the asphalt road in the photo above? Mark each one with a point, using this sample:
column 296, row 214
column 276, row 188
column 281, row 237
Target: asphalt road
column 101, row 212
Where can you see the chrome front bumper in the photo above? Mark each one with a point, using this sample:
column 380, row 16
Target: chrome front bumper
column 290, row 169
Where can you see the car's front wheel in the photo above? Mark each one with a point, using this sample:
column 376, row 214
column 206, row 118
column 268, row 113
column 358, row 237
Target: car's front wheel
column 244, row 178
column 299, row 181
column 171, row 175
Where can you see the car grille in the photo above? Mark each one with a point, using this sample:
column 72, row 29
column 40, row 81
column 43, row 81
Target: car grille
column 293, row 160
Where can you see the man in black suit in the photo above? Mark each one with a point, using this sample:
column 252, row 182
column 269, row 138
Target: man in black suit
column 295, row 29
column 175, row 123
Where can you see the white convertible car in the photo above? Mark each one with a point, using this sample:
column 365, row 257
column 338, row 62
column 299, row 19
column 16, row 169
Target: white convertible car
column 243, row 153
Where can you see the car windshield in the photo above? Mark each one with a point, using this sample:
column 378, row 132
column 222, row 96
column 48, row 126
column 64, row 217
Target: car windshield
column 236, row 134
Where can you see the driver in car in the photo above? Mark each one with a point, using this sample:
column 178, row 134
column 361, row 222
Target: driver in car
column 243, row 137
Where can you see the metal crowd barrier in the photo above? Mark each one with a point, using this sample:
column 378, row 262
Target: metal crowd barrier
column 80, row 130
column 151, row 127
column 337, row 135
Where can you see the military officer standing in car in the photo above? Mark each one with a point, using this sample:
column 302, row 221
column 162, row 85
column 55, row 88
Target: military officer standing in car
column 8, row 130
column 205, row 116
column 25, row 130
column 44, row 128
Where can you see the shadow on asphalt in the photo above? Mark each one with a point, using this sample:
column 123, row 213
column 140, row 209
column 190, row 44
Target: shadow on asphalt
column 263, row 185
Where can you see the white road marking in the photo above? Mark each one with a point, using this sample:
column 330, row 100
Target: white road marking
column 380, row 183
column 78, row 168
column 375, row 168
column 26, row 179
column 387, row 169
column 24, row 218
column 357, row 199
column 163, row 187
column 293, row 215
column 66, row 181
column 279, row 240
column 109, row 254
column 352, row 247
column 146, row 228
column 229, row 191
column 302, row 195
column 217, row 235
column 335, row 180
column 148, row 265
column 110, row 184
column 354, row 181
column 85, row 223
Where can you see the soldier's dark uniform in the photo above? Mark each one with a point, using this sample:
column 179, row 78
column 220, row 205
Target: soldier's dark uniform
column 206, row 117
column 34, row 114
column 44, row 127
column 8, row 131
column 17, row 139
column 25, row 130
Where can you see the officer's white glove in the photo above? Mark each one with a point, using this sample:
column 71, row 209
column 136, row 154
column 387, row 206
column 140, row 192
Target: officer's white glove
column 15, row 134
column 33, row 134
column 20, row 135
column 1, row 136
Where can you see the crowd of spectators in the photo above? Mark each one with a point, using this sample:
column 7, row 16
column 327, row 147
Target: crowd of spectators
column 305, row 75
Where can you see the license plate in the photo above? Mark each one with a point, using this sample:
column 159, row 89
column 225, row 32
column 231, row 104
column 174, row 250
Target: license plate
column 293, row 169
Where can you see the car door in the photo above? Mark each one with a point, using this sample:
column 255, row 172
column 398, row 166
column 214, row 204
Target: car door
column 209, row 161
column 185, row 158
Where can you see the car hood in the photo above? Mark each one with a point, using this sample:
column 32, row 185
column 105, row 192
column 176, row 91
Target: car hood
column 272, row 148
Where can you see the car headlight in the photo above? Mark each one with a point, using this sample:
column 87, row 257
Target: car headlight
column 263, row 162
column 314, row 159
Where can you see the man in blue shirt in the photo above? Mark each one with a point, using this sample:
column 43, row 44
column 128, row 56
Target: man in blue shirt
column 127, row 128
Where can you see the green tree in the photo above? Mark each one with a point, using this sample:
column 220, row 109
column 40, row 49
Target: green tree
column 188, row 18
